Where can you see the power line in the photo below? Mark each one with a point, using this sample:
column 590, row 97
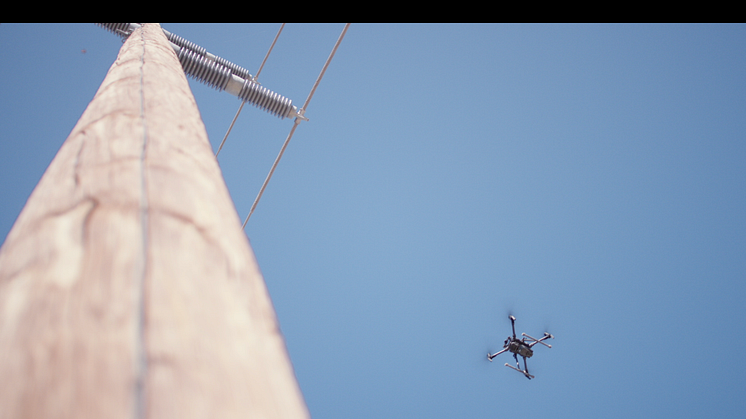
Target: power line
column 254, row 80
column 222, row 74
column 296, row 122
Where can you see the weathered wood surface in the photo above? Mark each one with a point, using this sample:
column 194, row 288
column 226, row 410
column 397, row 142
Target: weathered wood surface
column 127, row 287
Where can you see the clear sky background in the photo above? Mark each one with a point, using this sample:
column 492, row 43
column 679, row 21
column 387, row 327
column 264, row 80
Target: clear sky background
column 589, row 179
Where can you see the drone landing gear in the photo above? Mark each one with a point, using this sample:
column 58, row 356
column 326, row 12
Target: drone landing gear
column 529, row 376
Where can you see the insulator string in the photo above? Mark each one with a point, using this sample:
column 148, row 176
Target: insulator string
column 221, row 74
column 217, row 72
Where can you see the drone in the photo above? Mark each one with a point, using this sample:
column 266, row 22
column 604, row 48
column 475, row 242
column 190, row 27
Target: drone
column 520, row 347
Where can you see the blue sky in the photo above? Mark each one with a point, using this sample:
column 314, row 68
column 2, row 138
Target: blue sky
column 590, row 179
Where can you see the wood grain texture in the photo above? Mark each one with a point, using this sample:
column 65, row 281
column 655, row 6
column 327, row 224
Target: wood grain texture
column 127, row 287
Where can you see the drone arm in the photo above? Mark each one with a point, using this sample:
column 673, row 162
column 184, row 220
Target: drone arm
column 535, row 341
column 496, row 354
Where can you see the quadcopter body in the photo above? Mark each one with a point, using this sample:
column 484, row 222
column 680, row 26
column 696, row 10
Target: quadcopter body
column 520, row 347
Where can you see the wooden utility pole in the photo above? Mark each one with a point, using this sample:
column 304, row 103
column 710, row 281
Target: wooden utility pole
column 127, row 286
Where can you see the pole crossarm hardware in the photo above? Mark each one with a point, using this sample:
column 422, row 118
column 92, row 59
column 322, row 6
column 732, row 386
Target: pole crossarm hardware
column 219, row 73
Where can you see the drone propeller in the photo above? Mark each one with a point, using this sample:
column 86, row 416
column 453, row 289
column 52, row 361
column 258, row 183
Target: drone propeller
column 487, row 347
column 547, row 335
column 510, row 313
column 512, row 324
column 489, row 358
